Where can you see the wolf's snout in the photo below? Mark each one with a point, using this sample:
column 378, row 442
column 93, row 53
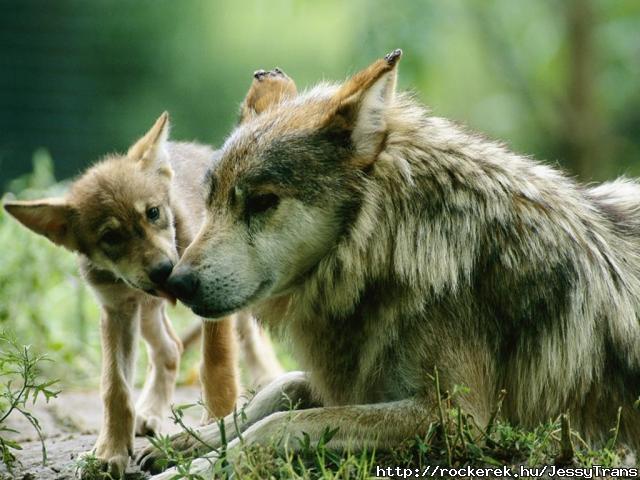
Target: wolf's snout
column 160, row 272
column 183, row 283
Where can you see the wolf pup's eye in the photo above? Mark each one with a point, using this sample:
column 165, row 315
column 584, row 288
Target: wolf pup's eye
column 261, row 203
column 153, row 213
column 111, row 237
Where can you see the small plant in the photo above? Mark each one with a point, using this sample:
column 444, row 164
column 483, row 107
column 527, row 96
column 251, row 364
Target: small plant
column 91, row 467
column 181, row 460
column 20, row 384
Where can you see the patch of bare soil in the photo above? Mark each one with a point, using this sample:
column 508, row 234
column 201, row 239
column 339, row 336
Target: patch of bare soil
column 70, row 424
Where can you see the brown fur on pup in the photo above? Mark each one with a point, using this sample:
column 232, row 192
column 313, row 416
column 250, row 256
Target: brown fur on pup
column 129, row 218
column 386, row 242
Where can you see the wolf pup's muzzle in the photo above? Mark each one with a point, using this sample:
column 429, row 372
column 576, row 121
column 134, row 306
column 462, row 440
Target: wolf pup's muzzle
column 160, row 272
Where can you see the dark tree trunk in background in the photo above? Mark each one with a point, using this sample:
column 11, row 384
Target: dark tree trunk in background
column 580, row 146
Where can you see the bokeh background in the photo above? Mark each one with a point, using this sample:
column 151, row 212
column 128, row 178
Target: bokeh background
column 557, row 79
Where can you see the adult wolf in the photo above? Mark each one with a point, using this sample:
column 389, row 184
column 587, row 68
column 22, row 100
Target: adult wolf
column 386, row 242
column 129, row 217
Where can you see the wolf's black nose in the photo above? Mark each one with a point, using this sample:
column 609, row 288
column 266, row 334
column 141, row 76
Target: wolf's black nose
column 183, row 283
column 160, row 272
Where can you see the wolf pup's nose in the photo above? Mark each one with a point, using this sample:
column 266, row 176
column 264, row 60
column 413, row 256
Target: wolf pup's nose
column 160, row 272
column 183, row 283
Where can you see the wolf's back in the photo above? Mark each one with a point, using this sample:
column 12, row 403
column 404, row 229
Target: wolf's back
column 619, row 202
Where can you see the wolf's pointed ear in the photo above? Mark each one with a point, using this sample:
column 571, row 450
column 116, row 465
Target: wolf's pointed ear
column 267, row 89
column 151, row 149
column 359, row 106
column 48, row 217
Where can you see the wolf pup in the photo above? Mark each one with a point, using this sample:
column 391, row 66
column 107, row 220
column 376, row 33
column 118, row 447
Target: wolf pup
column 129, row 218
column 386, row 243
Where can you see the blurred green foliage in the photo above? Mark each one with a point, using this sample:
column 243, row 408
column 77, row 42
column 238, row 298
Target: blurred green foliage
column 42, row 298
column 556, row 79
column 20, row 387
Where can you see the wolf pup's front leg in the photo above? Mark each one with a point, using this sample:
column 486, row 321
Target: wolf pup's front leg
column 119, row 330
column 163, row 349
column 257, row 351
column 219, row 368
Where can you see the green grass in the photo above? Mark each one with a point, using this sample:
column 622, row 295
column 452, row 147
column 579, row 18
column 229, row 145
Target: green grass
column 21, row 385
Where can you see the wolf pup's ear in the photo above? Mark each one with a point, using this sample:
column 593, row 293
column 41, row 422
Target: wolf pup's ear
column 48, row 217
column 360, row 103
column 267, row 89
column 151, row 149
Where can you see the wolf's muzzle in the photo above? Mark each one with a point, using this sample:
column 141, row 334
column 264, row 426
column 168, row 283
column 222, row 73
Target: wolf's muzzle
column 183, row 283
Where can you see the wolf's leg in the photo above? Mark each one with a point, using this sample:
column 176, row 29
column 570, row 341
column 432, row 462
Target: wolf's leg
column 119, row 331
column 163, row 350
column 289, row 390
column 257, row 351
column 376, row 426
column 219, row 368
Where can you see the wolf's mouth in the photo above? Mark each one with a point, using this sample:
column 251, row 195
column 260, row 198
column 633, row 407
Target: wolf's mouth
column 162, row 294
column 212, row 313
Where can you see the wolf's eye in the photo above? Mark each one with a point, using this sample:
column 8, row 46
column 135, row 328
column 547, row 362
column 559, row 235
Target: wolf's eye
column 261, row 203
column 153, row 213
column 111, row 237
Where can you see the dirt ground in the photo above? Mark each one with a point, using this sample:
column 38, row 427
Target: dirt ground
column 70, row 424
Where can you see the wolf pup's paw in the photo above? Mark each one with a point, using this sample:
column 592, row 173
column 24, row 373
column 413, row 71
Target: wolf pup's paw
column 94, row 465
column 276, row 73
column 274, row 83
column 268, row 88
column 393, row 57
column 148, row 425
column 207, row 418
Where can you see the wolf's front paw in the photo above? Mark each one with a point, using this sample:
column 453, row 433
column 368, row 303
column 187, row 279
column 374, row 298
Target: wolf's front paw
column 94, row 465
column 192, row 443
column 154, row 460
column 199, row 468
column 148, row 425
